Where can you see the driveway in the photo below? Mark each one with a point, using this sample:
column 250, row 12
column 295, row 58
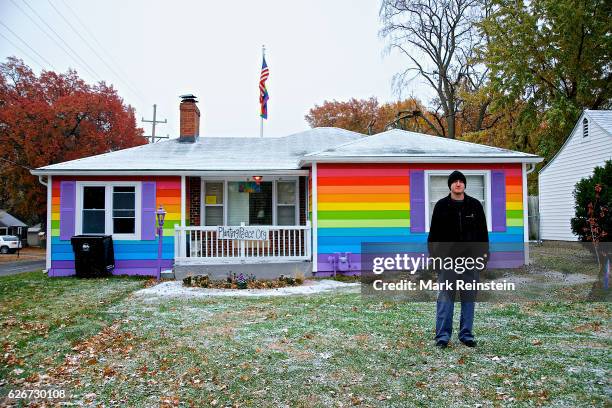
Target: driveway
column 12, row 268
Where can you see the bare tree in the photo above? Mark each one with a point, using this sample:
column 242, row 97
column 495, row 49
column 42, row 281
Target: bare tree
column 440, row 38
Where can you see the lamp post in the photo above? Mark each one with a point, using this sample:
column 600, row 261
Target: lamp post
column 161, row 215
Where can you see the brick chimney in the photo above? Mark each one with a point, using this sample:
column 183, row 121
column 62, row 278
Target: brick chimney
column 190, row 119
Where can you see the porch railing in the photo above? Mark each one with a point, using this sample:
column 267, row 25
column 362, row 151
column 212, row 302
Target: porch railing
column 199, row 245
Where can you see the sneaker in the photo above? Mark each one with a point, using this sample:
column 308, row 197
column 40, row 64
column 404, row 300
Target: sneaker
column 441, row 344
column 469, row 343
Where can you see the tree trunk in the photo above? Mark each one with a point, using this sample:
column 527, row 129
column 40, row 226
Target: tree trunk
column 450, row 124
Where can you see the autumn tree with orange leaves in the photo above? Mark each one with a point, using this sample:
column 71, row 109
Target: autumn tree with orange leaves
column 51, row 118
column 369, row 117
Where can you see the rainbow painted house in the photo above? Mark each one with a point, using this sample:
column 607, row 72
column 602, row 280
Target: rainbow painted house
column 305, row 202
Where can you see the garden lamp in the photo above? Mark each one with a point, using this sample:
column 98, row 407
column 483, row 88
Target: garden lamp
column 161, row 215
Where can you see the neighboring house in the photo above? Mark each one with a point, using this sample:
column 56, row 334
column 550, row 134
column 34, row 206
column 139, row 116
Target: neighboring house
column 589, row 145
column 10, row 225
column 34, row 235
column 316, row 195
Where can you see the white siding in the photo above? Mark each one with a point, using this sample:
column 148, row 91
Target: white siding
column 576, row 160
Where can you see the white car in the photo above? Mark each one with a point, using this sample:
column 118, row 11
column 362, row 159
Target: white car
column 9, row 244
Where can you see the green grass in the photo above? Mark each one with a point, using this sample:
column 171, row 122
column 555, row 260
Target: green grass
column 42, row 318
column 323, row 350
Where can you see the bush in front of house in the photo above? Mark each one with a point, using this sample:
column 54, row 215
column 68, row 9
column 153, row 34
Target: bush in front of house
column 593, row 198
column 241, row 281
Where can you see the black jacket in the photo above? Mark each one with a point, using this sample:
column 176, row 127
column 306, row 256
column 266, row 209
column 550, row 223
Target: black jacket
column 451, row 224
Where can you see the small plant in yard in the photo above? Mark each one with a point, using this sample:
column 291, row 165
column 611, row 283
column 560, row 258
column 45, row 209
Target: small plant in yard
column 241, row 281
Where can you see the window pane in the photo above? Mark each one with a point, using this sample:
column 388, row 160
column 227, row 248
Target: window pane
column 286, row 192
column 286, row 215
column 475, row 187
column 214, row 216
column 438, row 188
column 238, row 205
column 249, row 203
column 93, row 197
column 124, row 210
column 124, row 214
column 124, row 189
column 260, row 205
column 124, row 225
column 124, row 199
column 93, row 221
column 214, row 193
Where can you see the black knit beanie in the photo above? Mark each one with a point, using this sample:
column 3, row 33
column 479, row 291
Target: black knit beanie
column 456, row 175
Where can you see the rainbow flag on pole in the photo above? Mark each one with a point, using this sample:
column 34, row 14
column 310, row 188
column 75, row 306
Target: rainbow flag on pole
column 263, row 92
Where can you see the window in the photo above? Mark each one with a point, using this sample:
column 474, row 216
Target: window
column 94, row 203
column 228, row 202
column 286, row 202
column 108, row 209
column 124, row 210
column 437, row 188
column 585, row 127
column 213, row 203
column 249, row 202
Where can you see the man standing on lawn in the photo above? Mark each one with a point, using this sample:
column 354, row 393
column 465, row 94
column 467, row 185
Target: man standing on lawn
column 459, row 230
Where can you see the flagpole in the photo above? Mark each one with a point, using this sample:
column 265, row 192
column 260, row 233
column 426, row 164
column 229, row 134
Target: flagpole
column 263, row 55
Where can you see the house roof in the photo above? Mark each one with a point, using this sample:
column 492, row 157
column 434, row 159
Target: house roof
column 603, row 118
column 401, row 145
column 225, row 154
column 7, row 220
column 212, row 154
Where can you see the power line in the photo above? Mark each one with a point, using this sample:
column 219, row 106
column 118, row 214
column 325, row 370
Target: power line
column 22, row 51
column 93, row 37
column 62, row 40
column 86, row 66
column 41, row 29
column 27, row 45
column 15, row 163
column 136, row 93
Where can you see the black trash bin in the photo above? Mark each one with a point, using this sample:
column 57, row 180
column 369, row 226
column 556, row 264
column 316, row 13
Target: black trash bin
column 93, row 255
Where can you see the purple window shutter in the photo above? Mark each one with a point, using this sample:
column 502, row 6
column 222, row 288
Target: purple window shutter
column 67, row 208
column 147, row 224
column 417, row 201
column 498, row 200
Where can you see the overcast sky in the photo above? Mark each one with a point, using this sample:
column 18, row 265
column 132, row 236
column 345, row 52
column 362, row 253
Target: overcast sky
column 154, row 51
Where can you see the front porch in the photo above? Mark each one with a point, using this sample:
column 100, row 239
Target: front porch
column 220, row 214
column 277, row 250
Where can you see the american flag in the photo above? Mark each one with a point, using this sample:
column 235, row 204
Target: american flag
column 263, row 92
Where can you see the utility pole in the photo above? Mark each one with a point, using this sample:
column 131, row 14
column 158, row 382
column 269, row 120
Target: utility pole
column 152, row 138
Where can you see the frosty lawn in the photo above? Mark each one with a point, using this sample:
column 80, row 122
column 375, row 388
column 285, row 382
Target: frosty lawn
column 176, row 290
column 105, row 345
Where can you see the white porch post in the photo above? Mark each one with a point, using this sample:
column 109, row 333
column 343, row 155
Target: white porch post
column 525, row 214
column 48, row 234
column 315, row 224
column 183, row 242
column 183, row 200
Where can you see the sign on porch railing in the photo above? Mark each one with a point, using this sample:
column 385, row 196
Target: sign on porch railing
column 243, row 233
column 197, row 245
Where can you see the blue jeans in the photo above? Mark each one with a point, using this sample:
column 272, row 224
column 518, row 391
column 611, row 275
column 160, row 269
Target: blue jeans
column 445, row 307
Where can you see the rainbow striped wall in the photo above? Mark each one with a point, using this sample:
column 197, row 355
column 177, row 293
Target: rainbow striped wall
column 360, row 203
column 131, row 257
